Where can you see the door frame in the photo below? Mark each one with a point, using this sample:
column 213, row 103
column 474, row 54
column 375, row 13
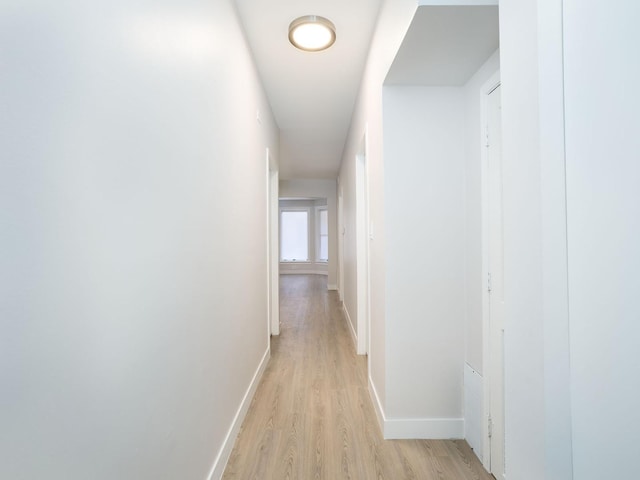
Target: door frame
column 363, row 283
column 487, row 88
column 273, row 245
column 340, row 238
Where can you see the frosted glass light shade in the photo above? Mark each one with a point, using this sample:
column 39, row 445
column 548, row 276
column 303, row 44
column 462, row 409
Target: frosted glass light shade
column 312, row 33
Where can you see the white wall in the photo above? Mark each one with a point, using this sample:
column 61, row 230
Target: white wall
column 570, row 352
column 424, row 206
column 319, row 189
column 537, row 370
column 312, row 266
column 602, row 72
column 557, row 400
column 541, row 440
column 394, row 369
column 394, row 19
column 524, row 329
column 134, row 300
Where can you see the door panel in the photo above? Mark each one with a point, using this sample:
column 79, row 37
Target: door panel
column 496, row 283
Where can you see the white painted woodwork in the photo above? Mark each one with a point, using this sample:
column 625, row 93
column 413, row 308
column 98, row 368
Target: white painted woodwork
column 362, row 248
column 474, row 417
column 476, row 238
column 340, row 245
column 274, row 250
column 476, row 254
column 495, row 284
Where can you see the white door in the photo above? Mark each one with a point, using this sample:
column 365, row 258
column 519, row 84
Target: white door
column 496, row 290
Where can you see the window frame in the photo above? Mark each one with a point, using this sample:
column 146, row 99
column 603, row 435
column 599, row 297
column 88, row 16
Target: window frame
column 295, row 209
column 318, row 233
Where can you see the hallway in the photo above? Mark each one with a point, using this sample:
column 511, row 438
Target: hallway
column 312, row 416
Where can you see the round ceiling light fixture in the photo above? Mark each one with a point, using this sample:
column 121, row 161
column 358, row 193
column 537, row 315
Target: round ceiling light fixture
column 312, row 33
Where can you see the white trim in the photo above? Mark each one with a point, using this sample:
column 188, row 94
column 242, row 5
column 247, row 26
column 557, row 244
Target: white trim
column 273, row 248
column 332, row 286
column 368, row 241
column 377, row 405
column 415, row 428
column 340, row 238
column 303, row 271
column 268, row 242
column 221, row 460
column 318, row 235
column 490, row 85
column 274, row 241
column 362, row 247
column 474, row 412
column 310, row 233
column 347, row 317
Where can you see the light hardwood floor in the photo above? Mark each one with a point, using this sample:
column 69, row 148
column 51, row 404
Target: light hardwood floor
column 312, row 417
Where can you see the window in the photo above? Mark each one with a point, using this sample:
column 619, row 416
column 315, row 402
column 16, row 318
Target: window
column 294, row 236
column 323, row 235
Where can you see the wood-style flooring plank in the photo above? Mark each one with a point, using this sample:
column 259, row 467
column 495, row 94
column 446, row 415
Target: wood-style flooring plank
column 312, row 417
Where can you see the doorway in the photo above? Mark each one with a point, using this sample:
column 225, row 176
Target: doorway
column 273, row 291
column 362, row 248
column 340, row 244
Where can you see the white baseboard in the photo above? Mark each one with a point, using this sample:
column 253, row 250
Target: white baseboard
column 377, row 405
column 474, row 419
column 415, row 428
column 354, row 337
column 221, row 460
column 332, row 287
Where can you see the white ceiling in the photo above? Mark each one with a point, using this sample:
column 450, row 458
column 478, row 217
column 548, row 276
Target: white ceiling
column 445, row 46
column 312, row 95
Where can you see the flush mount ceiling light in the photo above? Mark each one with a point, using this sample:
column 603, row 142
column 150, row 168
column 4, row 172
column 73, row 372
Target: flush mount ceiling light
column 312, row 33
